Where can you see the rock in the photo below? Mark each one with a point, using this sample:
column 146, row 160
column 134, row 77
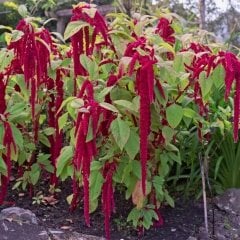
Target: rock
column 229, row 201
column 24, row 231
column 19, row 215
column 59, row 235
column 80, row 236
column 192, row 238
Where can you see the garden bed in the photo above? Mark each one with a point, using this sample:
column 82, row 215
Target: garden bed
column 179, row 223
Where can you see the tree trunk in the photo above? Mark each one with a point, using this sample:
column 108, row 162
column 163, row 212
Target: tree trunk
column 202, row 11
column 128, row 6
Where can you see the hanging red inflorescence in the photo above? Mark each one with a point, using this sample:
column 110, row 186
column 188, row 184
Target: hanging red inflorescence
column 82, row 41
column 203, row 61
column 85, row 149
column 144, row 87
column 108, row 195
column 231, row 65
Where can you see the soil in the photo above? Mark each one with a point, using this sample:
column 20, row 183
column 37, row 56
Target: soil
column 179, row 223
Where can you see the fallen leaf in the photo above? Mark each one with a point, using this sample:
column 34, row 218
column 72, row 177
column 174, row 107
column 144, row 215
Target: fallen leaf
column 50, row 200
column 137, row 195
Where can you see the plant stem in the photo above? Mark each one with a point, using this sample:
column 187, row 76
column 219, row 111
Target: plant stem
column 204, row 192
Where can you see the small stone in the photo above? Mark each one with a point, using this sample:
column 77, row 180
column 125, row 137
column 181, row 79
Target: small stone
column 66, row 227
column 173, row 229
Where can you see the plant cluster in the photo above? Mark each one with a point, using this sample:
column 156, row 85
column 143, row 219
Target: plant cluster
column 109, row 110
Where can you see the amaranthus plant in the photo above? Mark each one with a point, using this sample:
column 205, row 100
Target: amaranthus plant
column 111, row 107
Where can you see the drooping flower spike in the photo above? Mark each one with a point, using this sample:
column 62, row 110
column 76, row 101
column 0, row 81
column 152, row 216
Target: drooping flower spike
column 83, row 42
column 144, row 86
column 231, row 65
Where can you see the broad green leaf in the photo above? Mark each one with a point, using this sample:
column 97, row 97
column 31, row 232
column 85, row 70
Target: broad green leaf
column 188, row 112
column 35, row 174
column 167, row 46
column 22, row 10
column 44, row 140
column 64, row 158
column 133, row 144
column 218, row 76
column 95, row 182
column 158, row 183
column 49, row 131
column 127, row 105
column 3, row 27
column 62, row 121
column 102, row 94
column 205, row 84
column 168, row 133
column 65, row 102
column 96, row 165
column 169, row 199
column 3, row 167
column 17, row 135
column 77, row 103
column 73, row 27
column 91, row 12
column 90, row 65
column 108, row 106
column 174, row 115
column 16, row 35
column 120, row 131
column 90, row 135
column 6, row 56
column 134, row 216
column 120, row 94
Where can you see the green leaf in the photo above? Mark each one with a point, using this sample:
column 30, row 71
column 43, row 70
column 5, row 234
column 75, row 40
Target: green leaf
column 35, row 173
column 3, row 167
column 44, row 140
column 22, row 10
column 77, row 103
column 134, row 216
column 108, row 106
column 96, row 182
column 6, row 56
column 62, row 121
column 90, row 65
column 90, row 135
column 133, row 145
column 168, row 133
column 17, row 135
column 120, row 94
column 65, row 102
column 73, row 27
column 127, row 105
column 64, row 159
column 169, row 199
column 205, row 84
column 49, row 131
column 101, row 95
column 174, row 115
column 188, row 112
column 120, row 131
column 218, row 76
column 158, row 182
column 16, row 35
